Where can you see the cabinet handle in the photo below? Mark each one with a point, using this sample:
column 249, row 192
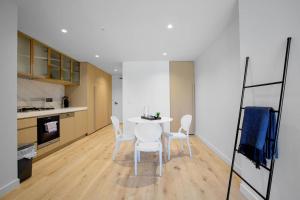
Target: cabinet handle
column 66, row 115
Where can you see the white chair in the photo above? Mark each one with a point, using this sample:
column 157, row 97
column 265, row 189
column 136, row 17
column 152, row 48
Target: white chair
column 119, row 135
column 180, row 135
column 148, row 140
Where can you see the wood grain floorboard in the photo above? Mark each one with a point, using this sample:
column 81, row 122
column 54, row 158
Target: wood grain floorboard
column 84, row 170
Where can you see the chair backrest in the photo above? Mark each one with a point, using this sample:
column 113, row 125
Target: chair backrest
column 186, row 121
column 148, row 132
column 116, row 124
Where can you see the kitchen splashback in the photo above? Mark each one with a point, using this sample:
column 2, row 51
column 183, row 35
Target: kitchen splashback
column 31, row 93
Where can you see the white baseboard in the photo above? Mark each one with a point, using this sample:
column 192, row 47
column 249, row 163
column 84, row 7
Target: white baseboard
column 219, row 153
column 247, row 192
column 9, row 187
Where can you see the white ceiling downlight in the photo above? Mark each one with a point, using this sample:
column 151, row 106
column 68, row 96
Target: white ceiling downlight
column 64, row 30
column 170, row 26
column 97, row 56
column 115, row 70
column 164, row 54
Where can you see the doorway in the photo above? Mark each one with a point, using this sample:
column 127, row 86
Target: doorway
column 117, row 103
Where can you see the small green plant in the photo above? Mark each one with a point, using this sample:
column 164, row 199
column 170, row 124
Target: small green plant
column 157, row 114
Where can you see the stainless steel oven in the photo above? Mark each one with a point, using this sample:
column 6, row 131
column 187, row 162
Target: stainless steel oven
column 47, row 130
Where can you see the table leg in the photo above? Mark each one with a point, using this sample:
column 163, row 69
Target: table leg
column 163, row 139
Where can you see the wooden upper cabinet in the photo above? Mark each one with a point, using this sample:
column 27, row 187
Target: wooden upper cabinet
column 75, row 72
column 38, row 61
column 55, row 65
column 24, row 55
column 66, row 69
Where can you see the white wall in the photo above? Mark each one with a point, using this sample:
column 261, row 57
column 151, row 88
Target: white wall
column 218, row 90
column 117, row 95
column 264, row 26
column 145, row 84
column 8, row 88
column 29, row 90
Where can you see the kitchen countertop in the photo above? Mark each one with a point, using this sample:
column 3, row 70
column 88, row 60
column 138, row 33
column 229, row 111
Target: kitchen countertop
column 49, row 112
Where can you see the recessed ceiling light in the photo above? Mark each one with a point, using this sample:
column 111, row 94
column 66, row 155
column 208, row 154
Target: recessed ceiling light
column 97, row 56
column 64, row 30
column 170, row 26
column 115, row 70
column 164, row 54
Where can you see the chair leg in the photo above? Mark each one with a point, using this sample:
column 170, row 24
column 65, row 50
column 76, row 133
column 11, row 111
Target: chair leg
column 165, row 144
column 139, row 156
column 160, row 162
column 116, row 150
column 189, row 145
column 169, row 148
column 165, row 140
column 181, row 144
column 135, row 162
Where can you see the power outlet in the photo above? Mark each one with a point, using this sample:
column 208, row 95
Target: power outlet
column 49, row 99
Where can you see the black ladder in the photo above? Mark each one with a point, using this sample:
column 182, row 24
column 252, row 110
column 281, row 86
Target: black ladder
column 238, row 129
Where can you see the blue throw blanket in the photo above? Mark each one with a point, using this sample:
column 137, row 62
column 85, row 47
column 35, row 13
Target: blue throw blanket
column 258, row 135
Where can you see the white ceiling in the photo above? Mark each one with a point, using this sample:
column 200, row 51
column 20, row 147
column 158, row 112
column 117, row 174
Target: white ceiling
column 133, row 29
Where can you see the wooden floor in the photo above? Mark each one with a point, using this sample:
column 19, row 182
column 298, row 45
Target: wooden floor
column 84, row 170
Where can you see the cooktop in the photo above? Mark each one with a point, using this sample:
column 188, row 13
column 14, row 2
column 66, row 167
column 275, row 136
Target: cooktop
column 29, row 109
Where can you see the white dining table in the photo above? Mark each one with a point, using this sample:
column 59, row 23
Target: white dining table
column 161, row 122
column 139, row 120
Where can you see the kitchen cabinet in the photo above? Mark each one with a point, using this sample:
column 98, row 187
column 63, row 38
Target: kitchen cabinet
column 24, row 55
column 66, row 69
column 27, row 131
column 67, row 128
column 27, row 135
column 102, row 92
column 75, row 72
column 55, row 65
column 41, row 62
column 26, row 123
column 72, row 127
column 95, row 92
column 80, row 124
column 100, row 98
column 42, row 152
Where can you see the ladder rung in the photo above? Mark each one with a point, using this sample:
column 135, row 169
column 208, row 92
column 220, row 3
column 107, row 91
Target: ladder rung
column 257, row 192
column 265, row 167
column 264, row 84
column 243, row 108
